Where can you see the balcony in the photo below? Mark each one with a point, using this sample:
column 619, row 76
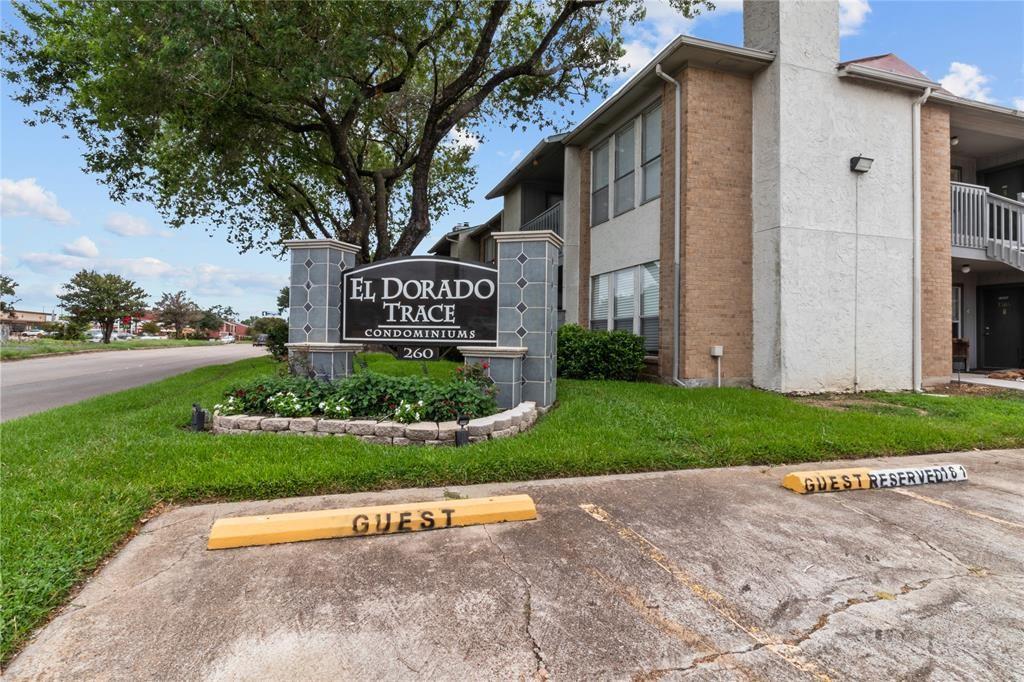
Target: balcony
column 551, row 219
column 988, row 222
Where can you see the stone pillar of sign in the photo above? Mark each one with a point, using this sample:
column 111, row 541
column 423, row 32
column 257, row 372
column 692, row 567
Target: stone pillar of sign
column 504, row 366
column 528, row 307
column 314, row 313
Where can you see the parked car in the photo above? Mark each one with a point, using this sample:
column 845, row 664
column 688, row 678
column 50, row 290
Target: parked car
column 122, row 336
column 148, row 337
column 261, row 340
column 227, row 338
column 33, row 333
column 94, row 336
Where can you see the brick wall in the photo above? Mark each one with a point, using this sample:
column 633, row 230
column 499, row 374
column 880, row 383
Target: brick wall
column 936, row 257
column 717, row 307
column 666, row 260
column 584, row 257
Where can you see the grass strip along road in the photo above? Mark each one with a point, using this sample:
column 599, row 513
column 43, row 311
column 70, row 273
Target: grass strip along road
column 16, row 350
column 76, row 480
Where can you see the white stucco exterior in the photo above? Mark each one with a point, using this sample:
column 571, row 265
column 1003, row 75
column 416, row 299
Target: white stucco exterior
column 833, row 249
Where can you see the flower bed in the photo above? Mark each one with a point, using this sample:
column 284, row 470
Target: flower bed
column 384, row 432
column 366, row 395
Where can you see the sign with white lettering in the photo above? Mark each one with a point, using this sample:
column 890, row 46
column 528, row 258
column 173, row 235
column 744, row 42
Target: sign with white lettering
column 421, row 301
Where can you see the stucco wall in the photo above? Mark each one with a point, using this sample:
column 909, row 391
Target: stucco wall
column 511, row 210
column 571, row 234
column 833, row 264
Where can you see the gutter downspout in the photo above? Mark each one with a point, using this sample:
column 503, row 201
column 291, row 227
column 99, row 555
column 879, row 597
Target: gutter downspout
column 916, row 150
column 675, row 220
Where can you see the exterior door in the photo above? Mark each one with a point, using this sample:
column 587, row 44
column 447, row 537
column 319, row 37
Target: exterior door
column 1002, row 326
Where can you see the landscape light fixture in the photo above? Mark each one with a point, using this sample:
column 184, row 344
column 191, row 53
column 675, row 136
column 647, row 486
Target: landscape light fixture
column 198, row 417
column 965, row 268
column 462, row 435
column 860, row 164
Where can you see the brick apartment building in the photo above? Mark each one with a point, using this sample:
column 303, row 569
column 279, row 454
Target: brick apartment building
column 825, row 225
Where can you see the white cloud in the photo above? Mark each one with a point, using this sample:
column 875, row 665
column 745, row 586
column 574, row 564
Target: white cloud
column 206, row 279
column 967, row 80
column 516, row 155
column 637, row 55
column 26, row 198
column 83, row 246
column 127, row 225
column 852, row 15
column 145, row 266
column 464, row 138
column 1018, row 103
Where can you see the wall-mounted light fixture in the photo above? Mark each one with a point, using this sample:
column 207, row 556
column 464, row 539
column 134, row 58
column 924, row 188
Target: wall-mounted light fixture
column 861, row 164
column 965, row 268
column 954, row 141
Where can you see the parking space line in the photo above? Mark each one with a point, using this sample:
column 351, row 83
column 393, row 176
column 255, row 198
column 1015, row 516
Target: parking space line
column 948, row 505
column 787, row 652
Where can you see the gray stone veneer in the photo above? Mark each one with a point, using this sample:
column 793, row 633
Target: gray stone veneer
column 314, row 315
column 528, row 306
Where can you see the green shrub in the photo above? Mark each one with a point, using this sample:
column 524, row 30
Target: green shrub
column 366, row 395
column 587, row 354
column 277, row 337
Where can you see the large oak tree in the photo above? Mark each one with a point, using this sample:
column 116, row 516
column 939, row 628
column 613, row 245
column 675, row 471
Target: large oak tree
column 277, row 120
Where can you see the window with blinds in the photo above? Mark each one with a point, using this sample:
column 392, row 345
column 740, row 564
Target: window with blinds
column 628, row 300
column 599, row 185
column 599, row 302
column 625, row 164
column 625, row 299
column 650, row 154
column 649, row 301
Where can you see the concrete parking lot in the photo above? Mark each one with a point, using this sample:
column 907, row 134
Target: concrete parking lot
column 713, row 574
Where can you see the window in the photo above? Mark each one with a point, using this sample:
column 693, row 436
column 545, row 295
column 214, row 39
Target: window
column 619, row 290
column 958, row 305
column 490, row 249
column 649, row 290
column 599, row 185
column 956, row 173
column 650, row 156
column 599, row 303
column 625, row 300
column 625, row 163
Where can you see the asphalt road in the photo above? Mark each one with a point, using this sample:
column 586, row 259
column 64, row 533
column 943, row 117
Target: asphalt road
column 37, row 384
column 716, row 574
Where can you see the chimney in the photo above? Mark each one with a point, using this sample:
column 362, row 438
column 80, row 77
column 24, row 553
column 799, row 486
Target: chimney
column 800, row 32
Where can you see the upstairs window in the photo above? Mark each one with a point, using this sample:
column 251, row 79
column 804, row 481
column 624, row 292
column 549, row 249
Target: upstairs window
column 625, row 164
column 599, row 185
column 650, row 155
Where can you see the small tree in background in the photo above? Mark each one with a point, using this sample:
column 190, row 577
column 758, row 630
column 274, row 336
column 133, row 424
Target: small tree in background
column 7, row 289
column 150, row 327
column 177, row 309
column 283, row 300
column 263, row 325
column 213, row 318
column 90, row 296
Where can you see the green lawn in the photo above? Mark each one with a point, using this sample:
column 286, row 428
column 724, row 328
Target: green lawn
column 17, row 349
column 75, row 480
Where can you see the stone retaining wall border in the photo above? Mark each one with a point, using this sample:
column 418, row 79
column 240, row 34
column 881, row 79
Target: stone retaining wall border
column 501, row 425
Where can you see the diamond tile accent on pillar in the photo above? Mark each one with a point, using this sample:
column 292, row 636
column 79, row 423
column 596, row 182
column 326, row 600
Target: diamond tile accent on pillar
column 314, row 329
column 528, row 261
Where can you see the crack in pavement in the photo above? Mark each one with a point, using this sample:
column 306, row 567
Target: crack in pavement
column 541, row 671
column 948, row 556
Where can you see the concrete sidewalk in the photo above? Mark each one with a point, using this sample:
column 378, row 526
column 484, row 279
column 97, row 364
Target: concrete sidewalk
column 713, row 574
column 987, row 381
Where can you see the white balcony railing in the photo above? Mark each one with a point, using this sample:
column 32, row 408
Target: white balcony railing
column 983, row 220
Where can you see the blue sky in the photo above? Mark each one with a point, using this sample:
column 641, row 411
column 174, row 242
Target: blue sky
column 57, row 219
